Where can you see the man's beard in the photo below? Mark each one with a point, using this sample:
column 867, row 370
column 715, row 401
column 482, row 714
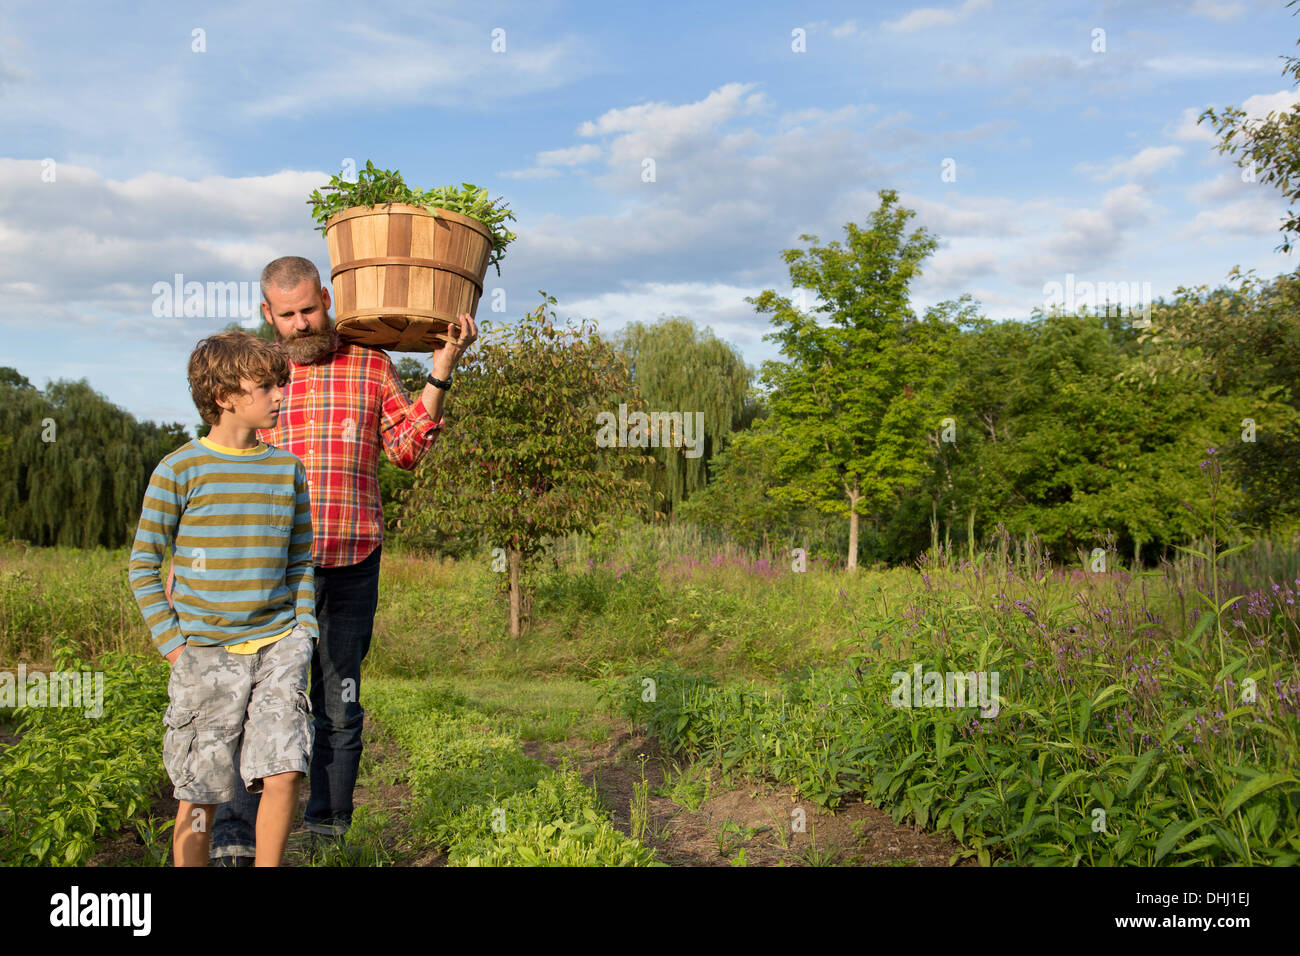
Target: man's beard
column 308, row 348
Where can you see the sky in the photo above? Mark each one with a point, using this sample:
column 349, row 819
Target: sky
column 1034, row 140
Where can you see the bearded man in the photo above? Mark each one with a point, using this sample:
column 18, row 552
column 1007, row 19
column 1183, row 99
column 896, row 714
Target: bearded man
column 343, row 404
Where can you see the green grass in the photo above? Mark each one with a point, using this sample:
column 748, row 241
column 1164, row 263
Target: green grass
column 81, row 598
column 544, row 710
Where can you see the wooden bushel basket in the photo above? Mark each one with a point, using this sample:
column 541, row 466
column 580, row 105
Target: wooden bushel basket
column 402, row 275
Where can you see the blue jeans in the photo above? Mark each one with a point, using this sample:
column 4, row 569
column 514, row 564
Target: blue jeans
column 346, row 599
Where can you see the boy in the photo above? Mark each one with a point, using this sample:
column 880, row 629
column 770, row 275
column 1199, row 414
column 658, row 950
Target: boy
column 242, row 625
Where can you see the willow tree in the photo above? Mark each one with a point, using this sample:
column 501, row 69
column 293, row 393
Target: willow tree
column 77, row 465
column 676, row 368
column 519, row 462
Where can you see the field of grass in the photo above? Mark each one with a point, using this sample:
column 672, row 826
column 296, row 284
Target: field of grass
column 1134, row 726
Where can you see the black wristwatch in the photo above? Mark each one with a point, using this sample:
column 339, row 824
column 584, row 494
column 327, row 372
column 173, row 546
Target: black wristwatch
column 439, row 383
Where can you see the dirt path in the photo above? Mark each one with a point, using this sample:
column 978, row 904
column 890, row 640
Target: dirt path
column 705, row 822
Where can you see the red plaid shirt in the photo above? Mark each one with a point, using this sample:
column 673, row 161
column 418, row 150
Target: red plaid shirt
column 335, row 415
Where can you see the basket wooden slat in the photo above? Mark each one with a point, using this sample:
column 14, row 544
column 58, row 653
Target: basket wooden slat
column 402, row 275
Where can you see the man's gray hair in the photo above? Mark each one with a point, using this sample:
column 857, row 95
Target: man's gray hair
column 288, row 272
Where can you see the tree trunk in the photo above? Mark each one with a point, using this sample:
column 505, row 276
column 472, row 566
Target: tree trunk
column 853, row 527
column 514, row 592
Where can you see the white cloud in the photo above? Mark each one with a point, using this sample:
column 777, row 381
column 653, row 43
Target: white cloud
column 549, row 159
column 815, row 114
column 1221, row 187
column 989, row 217
column 927, row 18
column 1254, row 217
column 1037, row 67
column 720, row 306
column 1258, row 107
column 1141, row 166
column 117, row 91
column 534, row 172
column 978, row 132
column 1085, row 237
column 958, row 266
column 1210, row 65
column 86, row 247
column 661, row 131
column 1220, row 10
column 448, row 63
column 1188, row 130
column 573, row 156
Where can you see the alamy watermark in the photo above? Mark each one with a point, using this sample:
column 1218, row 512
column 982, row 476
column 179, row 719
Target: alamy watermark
column 653, row 430
column 56, row 689
column 205, row 300
column 75, row 908
column 946, row 689
column 1120, row 298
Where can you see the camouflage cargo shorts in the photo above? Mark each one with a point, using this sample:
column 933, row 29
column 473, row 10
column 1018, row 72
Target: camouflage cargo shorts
column 219, row 699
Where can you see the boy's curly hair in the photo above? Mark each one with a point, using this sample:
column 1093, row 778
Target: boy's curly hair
column 220, row 362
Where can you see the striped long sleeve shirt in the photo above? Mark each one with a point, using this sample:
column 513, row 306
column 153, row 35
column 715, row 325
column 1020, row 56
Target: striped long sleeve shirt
column 240, row 531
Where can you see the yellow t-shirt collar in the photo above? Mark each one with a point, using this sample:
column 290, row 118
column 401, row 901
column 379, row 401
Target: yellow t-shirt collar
column 255, row 450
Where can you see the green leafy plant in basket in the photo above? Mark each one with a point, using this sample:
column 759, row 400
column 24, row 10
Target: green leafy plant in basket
column 376, row 187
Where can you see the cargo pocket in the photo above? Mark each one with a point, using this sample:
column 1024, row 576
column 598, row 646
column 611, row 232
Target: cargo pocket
column 178, row 745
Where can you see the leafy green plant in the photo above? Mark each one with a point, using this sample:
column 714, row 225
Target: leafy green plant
column 72, row 779
column 732, row 834
column 479, row 797
column 375, row 187
column 688, row 787
column 155, row 834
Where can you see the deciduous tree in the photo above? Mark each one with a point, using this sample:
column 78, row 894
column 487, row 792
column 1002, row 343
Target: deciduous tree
column 519, row 462
column 847, row 419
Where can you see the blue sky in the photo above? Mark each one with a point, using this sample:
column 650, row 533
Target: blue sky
column 168, row 160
